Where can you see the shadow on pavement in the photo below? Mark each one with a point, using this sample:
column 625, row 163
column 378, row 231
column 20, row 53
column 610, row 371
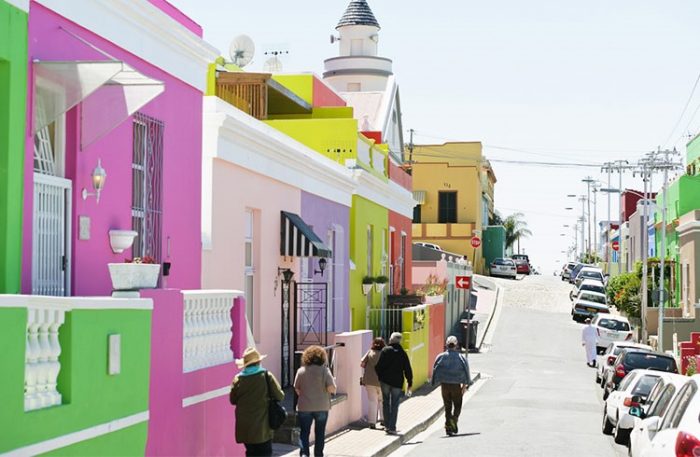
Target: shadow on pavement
column 461, row 434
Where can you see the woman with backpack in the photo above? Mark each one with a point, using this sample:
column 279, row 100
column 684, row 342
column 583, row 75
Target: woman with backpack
column 252, row 390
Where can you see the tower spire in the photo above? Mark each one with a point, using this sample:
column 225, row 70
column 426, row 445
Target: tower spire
column 358, row 12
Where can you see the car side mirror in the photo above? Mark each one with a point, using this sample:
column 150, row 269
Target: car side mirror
column 636, row 399
column 636, row 411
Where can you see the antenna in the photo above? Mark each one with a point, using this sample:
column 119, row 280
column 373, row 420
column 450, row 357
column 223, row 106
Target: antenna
column 334, row 38
column 242, row 50
column 274, row 63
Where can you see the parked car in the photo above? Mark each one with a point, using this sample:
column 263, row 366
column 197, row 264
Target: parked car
column 678, row 433
column 429, row 245
column 587, row 284
column 631, row 359
column 648, row 417
column 524, row 257
column 521, row 266
column 589, row 273
column 503, row 267
column 606, row 360
column 633, row 392
column 611, row 328
column 575, row 271
column 566, row 270
column 588, row 304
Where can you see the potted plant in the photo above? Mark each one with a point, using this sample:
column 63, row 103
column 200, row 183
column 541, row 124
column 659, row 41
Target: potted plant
column 134, row 274
column 404, row 299
column 433, row 290
column 380, row 282
column 367, row 283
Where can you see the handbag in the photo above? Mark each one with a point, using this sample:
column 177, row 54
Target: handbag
column 276, row 414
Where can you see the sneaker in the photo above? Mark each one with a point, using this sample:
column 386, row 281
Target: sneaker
column 391, row 432
column 373, row 426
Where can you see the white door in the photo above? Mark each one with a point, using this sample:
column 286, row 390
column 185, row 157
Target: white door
column 51, row 229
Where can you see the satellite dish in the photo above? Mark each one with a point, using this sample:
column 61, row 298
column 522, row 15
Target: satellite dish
column 273, row 65
column 241, row 50
column 334, row 38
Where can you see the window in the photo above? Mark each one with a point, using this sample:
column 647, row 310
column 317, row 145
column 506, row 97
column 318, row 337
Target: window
column 678, row 406
column 49, row 142
column 447, row 207
column 613, row 324
column 249, row 267
column 354, row 87
column 416, row 214
column 403, row 259
column 650, row 361
column 370, row 259
column 147, row 185
column 644, row 385
column 626, row 381
column 356, row 47
column 658, row 408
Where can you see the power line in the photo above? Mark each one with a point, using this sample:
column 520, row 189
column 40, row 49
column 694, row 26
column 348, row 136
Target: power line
column 440, row 154
column 685, row 107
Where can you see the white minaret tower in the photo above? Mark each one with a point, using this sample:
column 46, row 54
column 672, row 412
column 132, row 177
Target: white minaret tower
column 358, row 68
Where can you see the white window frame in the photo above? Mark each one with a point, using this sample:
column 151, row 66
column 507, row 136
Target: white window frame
column 249, row 269
column 58, row 147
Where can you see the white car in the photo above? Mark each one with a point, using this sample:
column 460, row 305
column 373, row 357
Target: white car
column 605, row 361
column 659, row 399
column 633, row 391
column 587, row 284
column 589, row 273
column 503, row 267
column 678, row 433
column 610, row 329
column 589, row 304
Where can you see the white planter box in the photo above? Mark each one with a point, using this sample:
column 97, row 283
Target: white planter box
column 379, row 286
column 366, row 288
column 433, row 299
column 134, row 276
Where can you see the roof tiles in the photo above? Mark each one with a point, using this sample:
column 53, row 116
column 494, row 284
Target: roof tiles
column 358, row 12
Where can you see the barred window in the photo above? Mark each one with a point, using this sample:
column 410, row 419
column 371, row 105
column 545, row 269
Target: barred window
column 147, row 186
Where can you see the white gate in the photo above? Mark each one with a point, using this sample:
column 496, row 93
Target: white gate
column 51, row 236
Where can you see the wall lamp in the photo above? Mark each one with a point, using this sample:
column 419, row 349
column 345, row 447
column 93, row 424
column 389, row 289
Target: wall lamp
column 322, row 262
column 99, row 175
column 287, row 274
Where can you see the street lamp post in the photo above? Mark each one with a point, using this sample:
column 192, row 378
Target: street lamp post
column 588, row 180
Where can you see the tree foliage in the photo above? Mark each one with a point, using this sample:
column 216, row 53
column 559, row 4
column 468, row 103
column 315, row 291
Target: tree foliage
column 516, row 228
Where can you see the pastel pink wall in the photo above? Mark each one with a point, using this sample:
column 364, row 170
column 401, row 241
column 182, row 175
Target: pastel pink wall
column 179, row 107
column 205, row 428
column 325, row 96
column 234, row 190
column 423, row 268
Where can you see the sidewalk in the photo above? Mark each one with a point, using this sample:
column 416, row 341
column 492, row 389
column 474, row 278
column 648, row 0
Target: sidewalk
column 416, row 414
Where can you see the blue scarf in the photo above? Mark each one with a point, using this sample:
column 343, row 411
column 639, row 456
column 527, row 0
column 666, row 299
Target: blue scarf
column 251, row 370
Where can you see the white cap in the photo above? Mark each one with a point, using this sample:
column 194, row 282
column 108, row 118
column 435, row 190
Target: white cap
column 452, row 340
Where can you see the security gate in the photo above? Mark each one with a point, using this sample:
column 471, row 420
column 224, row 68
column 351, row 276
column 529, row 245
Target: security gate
column 310, row 314
column 51, row 236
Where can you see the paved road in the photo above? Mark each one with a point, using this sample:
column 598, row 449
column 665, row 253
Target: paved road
column 538, row 397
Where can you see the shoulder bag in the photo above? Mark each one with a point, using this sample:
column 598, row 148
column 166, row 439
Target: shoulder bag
column 276, row 414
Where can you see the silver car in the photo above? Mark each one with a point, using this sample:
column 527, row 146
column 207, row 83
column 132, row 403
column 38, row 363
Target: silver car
column 503, row 267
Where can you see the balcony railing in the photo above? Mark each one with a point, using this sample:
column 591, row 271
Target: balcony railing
column 41, row 365
column 207, row 328
column 247, row 92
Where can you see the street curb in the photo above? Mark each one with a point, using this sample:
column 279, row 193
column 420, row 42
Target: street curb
column 496, row 305
column 415, row 430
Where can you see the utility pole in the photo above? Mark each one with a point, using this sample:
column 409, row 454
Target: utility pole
column 608, row 255
column 588, row 180
column 645, row 251
column 410, row 149
column 596, row 186
column 582, row 199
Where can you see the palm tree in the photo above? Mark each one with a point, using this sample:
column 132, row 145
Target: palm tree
column 516, row 228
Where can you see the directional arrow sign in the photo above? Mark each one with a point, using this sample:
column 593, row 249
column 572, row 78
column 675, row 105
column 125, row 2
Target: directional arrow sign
column 463, row 282
column 616, row 245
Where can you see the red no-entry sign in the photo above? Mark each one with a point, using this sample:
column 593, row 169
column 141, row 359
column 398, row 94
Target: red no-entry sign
column 463, row 282
column 616, row 245
column 476, row 241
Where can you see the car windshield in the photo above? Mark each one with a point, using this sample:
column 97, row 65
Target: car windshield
column 619, row 349
column 595, row 298
column 593, row 288
column 650, row 360
column 644, row 385
column 502, row 262
column 590, row 274
column 612, row 324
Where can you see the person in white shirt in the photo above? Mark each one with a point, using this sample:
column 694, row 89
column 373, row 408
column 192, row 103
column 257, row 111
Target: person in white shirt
column 588, row 340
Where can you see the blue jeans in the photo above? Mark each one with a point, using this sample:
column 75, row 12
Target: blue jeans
column 319, row 418
column 391, row 397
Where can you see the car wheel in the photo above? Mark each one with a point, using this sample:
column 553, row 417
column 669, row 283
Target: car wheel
column 597, row 377
column 607, row 425
column 606, row 393
column 621, row 436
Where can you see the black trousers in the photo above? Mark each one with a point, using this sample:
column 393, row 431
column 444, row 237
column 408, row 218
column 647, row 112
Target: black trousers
column 452, row 398
column 259, row 449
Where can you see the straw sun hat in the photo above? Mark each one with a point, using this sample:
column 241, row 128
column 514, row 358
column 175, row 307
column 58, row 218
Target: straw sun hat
column 250, row 356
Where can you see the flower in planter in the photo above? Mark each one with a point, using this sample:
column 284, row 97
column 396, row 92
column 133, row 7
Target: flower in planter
column 145, row 260
column 433, row 286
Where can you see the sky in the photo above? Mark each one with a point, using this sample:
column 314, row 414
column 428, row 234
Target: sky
column 536, row 81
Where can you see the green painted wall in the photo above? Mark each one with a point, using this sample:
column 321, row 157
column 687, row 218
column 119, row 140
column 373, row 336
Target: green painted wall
column 301, row 85
column 116, row 444
column 334, row 138
column 365, row 213
column 90, row 395
column 416, row 342
column 494, row 243
column 332, row 112
column 13, row 94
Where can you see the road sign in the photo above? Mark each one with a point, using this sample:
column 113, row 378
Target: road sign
column 615, row 246
column 476, row 241
column 463, row 282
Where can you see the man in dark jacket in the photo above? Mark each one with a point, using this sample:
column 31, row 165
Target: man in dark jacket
column 392, row 367
column 451, row 371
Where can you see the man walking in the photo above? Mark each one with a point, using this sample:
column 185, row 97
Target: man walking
column 588, row 340
column 392, row 367
column 451, row 371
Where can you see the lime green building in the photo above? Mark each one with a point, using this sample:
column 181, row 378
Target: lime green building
column 13, row 94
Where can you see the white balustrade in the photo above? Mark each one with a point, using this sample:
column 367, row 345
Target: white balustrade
column 41, row 357
column 378, row 160
column 363, row 154
column 207, row 329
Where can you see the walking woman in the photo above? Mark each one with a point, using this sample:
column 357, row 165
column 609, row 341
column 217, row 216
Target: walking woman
column 314, row 385
column 371, row 383
column 251, row 391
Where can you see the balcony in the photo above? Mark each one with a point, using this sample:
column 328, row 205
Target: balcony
column 436, row 232
column 258, row 95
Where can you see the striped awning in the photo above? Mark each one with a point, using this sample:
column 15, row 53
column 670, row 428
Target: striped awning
column 419, row 196
column 297, row 239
